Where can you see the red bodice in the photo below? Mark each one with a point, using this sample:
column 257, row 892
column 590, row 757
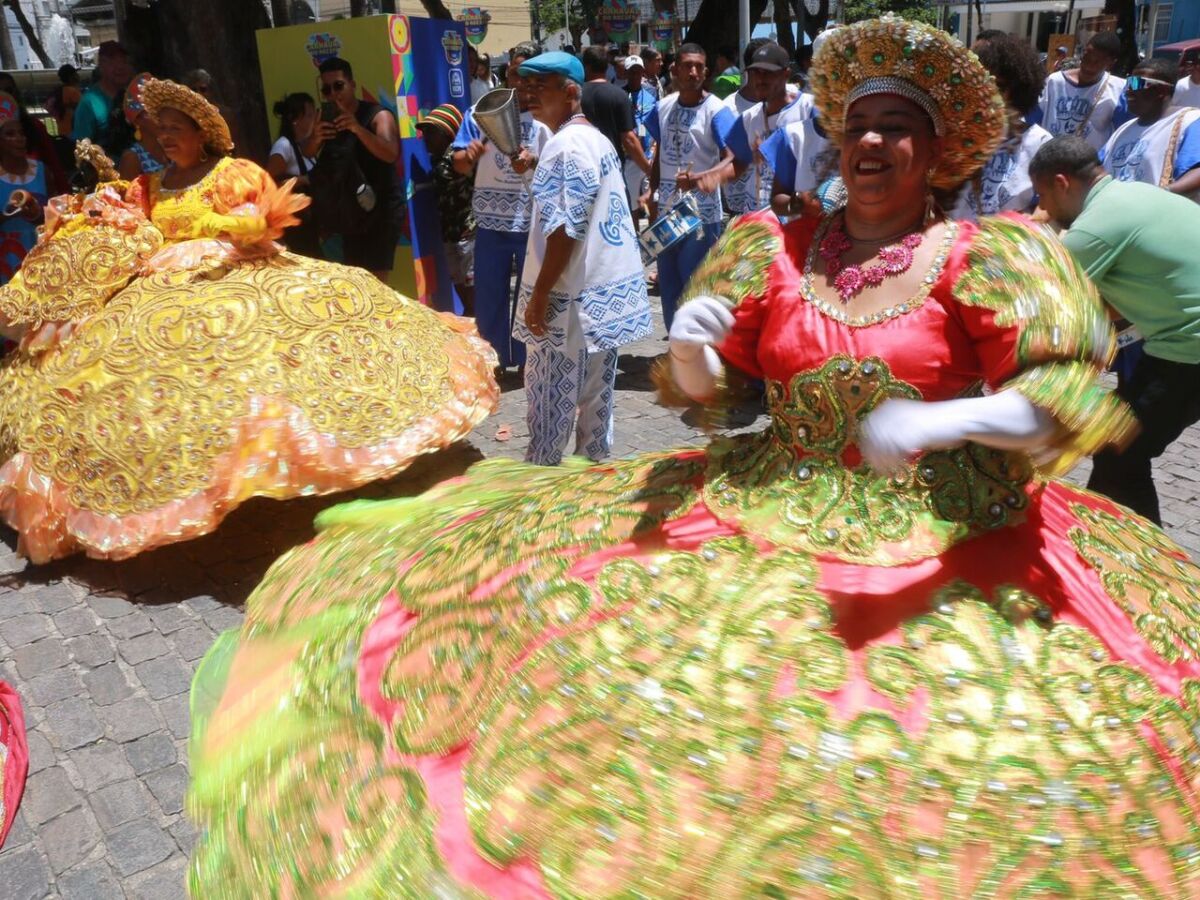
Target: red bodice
column 939, row 346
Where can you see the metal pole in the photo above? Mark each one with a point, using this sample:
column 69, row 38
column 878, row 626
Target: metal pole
column 743, row 24
column 567, row 17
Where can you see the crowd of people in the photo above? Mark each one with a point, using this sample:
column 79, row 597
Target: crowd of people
column 790, row 663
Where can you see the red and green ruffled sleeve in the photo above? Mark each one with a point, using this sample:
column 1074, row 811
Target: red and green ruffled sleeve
column 1039, row 327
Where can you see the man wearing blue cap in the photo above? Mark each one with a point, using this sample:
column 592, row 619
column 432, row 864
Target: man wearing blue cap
column 583, row 294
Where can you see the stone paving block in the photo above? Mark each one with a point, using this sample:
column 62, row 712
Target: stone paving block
column 107, row 684
column 109, row 606
column 72, row 723
column 36, row 659
column 169, row 617
column 58, row 596
column 133, row 625
column 130, row 719
column 19, row 835
column 119, row 803
column 13, row 605
column 90, row 881
column 177, row 715
column 151, row 753
column 41, row 754
column 223, row 618
column 24, row 874
column 24, row 629
column 202, row 603
column 100, row 764
column 68, row 839
column 139, row 649
column 169, row 787
column 166, row 881
column 75, row 621
column 49, row 794
column 56, row 685
column 184, row 833
column 164, row 677
column 91, row 650
column 138, row 846
column 193, row 641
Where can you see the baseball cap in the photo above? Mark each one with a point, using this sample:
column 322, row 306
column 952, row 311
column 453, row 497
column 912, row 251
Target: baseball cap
column 631, row 61
column 771, row 57
column 554, row 63
column 446, row 117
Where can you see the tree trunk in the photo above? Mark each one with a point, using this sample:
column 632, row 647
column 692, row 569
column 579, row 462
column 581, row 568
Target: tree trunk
column 435, row 9
column 30, row 33
column 171, row 37
column 8, row 57
column 783, row 25
column 1126, row 13
column 281, row 14
column 814, row 24
column 716, row 20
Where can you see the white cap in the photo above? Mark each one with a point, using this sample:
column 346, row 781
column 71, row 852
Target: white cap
column 631, row 61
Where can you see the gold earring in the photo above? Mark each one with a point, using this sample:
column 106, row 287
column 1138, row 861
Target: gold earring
column 203, row 155
column 930, row 203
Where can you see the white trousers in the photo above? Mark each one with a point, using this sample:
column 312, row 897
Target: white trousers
column 564, row 390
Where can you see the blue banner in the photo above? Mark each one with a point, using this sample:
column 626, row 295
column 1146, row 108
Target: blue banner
column 432, row 70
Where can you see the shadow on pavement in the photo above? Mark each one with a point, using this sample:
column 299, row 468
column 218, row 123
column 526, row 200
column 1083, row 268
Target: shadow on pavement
column 228, row 563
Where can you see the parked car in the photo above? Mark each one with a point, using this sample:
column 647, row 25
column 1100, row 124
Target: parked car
column 1184, row 53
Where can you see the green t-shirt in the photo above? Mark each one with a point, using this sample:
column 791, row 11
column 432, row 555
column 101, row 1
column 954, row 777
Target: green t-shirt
column 92, row 116
column 1141, row 245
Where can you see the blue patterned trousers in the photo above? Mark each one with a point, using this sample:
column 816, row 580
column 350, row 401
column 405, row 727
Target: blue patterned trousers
column 564, row 390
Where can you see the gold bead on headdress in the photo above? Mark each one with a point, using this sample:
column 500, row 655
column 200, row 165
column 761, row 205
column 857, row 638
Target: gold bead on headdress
column 925, row 65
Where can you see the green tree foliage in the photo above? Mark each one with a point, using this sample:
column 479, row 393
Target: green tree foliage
column 917, row 10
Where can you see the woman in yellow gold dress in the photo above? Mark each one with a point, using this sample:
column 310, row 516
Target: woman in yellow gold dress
column 176, row 362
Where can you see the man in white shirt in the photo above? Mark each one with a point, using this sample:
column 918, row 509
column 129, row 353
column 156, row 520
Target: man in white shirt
column 744, row 97
column 1083, row 101
column 502, row 206
column 584, row 293
column 1160, row 146
column 1187, row 89
column 800, row 161
column 767, row 71
column 690, row 128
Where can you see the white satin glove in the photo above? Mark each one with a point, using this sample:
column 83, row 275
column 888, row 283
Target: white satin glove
column 898, row 430
column 699, row 324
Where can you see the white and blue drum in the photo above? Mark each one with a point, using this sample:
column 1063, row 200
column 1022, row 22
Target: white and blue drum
column 681, row 220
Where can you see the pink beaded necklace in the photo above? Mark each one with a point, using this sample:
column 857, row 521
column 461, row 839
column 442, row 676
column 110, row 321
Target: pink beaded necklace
column 849, row 281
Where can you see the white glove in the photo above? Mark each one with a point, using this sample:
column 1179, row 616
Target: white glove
column 699, row 324
column 898, row 429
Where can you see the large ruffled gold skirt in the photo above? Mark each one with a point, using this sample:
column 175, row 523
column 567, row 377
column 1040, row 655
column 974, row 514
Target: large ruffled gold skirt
column 191, row 391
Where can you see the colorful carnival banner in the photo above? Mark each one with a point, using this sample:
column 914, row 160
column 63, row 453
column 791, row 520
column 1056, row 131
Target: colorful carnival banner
column 407, row 65
column 663, row 32
column 475, row 20
column 619, row 18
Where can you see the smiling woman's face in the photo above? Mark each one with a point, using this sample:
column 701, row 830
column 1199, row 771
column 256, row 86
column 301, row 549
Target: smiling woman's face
column 888, row 148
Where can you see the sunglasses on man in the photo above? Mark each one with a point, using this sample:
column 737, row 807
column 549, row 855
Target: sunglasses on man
column 1135, row 83
column 327, row 89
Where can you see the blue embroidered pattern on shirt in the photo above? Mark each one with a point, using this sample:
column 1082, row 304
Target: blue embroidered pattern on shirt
column 564, row 192
column 618, row 221
column 498, row 209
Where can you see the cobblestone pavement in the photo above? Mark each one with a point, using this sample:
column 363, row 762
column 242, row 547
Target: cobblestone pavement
column 102, row 654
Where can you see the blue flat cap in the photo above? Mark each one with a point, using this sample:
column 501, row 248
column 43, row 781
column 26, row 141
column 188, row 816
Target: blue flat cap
column 554, row 63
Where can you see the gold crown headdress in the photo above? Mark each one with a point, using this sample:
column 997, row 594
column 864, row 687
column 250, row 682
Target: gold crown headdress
column 925, row 65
